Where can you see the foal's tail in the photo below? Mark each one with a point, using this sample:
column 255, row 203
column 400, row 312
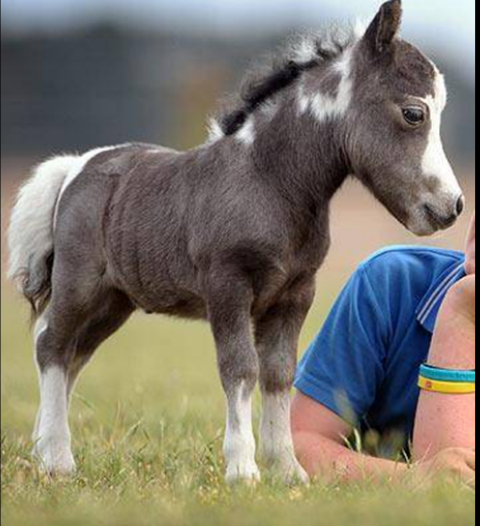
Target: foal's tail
column 30, row 236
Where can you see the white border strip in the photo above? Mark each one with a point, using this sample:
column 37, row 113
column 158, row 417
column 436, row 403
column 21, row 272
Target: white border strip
column 442, row 289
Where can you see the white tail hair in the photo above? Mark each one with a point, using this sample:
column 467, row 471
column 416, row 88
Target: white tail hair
column 30, row 236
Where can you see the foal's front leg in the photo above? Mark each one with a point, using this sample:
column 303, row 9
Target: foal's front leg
column 229, row 307
column 277, row 344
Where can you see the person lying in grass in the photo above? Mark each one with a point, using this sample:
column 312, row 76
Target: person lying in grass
column 407, row 313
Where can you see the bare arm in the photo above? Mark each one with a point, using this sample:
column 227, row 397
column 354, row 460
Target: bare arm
column 321, row 450
column 448, row 421
column 445, row 431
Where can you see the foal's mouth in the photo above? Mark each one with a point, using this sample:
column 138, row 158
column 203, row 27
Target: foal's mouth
column 410, row 222
column 438, row 221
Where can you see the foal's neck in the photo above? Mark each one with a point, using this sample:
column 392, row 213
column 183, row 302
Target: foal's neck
column 303, row 159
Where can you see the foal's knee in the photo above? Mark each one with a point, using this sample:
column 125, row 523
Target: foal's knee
column 278, row 372
column 239, row 370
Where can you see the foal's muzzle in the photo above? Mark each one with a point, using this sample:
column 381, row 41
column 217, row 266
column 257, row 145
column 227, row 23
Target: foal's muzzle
column 442, row 221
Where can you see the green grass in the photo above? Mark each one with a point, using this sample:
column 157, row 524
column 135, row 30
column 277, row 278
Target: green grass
column 147, row 422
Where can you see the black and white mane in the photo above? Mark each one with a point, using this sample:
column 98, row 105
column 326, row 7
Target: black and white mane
column 264, row 82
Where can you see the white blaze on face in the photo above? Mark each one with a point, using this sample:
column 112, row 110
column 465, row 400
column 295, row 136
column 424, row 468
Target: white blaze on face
column 435, row 163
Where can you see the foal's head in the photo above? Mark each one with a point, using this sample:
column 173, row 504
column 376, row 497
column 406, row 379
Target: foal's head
column 393, row 127
column 376, row 99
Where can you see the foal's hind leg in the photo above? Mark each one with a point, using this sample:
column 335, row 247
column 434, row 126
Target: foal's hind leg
column 229, row 305
column 114, row 311
column 68, row 335
column 53, row 345
column 277, row 336
column 76, row 289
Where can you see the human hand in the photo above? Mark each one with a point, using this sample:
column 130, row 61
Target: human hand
column 451, row 465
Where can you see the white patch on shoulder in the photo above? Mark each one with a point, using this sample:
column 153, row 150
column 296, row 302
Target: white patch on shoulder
column 324, row 107
column 246, row 134
column 215, row 132
column 78, row 168
column 435, row 162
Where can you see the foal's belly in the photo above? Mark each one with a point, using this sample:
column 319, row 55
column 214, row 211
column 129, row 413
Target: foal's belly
column 165, row 298
column 187, row 307
column 162, row 297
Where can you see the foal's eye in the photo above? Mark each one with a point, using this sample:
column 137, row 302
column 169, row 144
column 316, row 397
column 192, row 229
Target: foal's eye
column 415, row 116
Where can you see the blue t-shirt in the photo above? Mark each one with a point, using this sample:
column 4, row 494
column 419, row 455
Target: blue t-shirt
column 364, row 364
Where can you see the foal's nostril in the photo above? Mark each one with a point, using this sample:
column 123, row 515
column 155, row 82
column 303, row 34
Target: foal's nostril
column 461, row 205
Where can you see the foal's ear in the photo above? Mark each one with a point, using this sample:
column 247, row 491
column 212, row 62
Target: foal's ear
column 385, row 27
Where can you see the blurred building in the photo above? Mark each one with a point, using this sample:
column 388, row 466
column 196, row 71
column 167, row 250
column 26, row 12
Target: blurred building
column 109, row 85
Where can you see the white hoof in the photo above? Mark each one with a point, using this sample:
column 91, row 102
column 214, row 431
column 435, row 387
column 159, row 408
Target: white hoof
column 55, row 459
column 243, row 472
column 293, row 473
column 288, row 469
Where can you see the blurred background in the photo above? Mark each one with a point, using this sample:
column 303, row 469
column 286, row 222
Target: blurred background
column 79, row 74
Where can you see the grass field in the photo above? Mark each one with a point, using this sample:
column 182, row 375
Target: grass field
column 147, row 424
column 148, row 419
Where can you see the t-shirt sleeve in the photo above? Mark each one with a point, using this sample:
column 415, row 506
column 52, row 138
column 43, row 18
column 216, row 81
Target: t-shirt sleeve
column 344, row 367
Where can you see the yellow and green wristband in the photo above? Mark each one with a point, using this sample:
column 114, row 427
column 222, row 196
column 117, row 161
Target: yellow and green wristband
column 445, row 381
